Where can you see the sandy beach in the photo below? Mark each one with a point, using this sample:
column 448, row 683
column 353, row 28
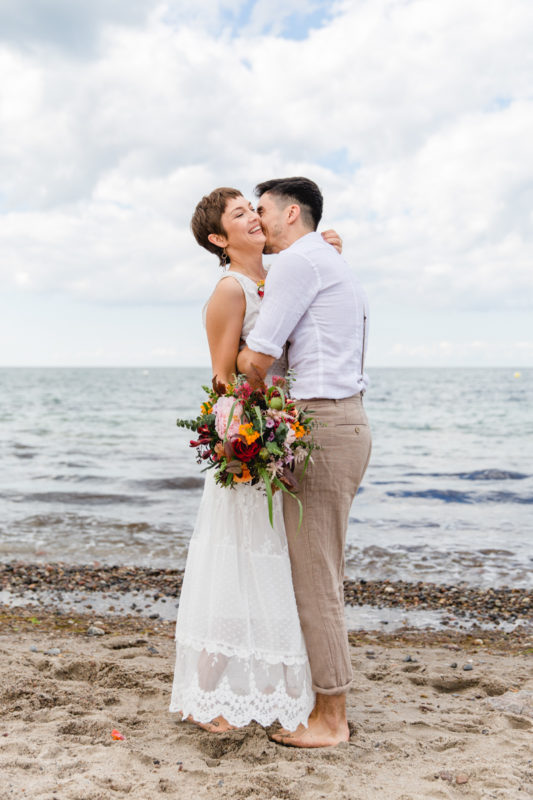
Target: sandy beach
column 422, row 726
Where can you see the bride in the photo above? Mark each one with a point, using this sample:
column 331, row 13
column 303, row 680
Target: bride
column 240, row 652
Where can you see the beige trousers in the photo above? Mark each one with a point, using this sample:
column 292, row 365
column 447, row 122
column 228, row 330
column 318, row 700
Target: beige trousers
column 317, row 549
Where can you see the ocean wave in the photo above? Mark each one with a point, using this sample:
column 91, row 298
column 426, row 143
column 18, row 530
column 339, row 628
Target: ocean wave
column 80, row 498
column 475, row 475
column 453, row 496
column 72, row 478
column 165, row 484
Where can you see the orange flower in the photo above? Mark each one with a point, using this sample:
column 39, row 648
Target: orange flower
column 248, row 433
column 206, row 407
column 299, row 430
column 245, row 477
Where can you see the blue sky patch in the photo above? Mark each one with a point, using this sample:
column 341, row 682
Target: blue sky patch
column 295, row 25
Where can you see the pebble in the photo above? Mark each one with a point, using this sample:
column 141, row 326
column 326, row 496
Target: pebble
column 454, row 665
column 461, row 778
column 53, row 651
column 153, row 650
column 446, row 776
column 468, row 667
column 94, row 631
column 34, row 649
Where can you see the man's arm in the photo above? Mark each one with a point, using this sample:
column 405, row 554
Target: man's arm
column 249, row 362
column 291, row 285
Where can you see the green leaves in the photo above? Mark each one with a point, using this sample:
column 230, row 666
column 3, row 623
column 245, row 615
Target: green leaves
column 283, row 488
column 268, row 488
column 274, row 448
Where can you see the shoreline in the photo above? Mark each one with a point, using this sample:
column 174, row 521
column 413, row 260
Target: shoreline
column 39, row 621
column 490, row 606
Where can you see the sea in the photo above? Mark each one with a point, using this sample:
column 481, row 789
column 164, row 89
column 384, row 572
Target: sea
column 94, row 470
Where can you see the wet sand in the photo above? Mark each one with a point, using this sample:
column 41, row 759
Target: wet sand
column 422, row 726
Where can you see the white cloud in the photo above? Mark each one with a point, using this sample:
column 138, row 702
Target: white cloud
column 412, row 116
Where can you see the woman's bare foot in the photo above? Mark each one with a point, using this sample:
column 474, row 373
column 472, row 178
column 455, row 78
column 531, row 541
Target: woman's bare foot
column 217, row 725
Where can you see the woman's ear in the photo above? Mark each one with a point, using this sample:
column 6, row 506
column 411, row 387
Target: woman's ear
column 215, row 238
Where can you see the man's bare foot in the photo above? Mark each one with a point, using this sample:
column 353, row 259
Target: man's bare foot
column 327, row 725
column 217, row 725
column 318, row 734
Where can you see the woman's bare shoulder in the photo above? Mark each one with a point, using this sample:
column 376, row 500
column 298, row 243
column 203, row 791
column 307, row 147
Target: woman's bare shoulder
column 228, row 297
column 228, row 290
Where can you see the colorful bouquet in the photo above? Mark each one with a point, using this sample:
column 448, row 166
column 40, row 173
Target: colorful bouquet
column 253, row 435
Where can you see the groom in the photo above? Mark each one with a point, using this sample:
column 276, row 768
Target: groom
column 313, row 301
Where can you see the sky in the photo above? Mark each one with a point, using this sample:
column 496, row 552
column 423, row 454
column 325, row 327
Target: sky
column 415, row 117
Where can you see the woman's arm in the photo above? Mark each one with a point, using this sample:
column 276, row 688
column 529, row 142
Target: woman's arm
column 224, row 318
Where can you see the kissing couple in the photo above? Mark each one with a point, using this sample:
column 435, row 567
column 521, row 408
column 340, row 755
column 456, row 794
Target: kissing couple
column 261, row 633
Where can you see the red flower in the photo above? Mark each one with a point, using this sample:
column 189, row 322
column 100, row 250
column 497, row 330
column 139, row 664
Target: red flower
column 243, row 451
column 204, row 438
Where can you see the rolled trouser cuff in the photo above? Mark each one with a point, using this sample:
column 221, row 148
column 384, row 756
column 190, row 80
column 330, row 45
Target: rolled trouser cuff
column 337, row 690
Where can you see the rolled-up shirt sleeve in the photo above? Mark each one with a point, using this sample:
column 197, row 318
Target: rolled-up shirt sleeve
column 291, row 286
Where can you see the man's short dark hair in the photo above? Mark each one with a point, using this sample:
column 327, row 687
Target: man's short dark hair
column 302, row 191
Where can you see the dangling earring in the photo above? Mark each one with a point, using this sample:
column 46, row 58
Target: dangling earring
column 224, row 259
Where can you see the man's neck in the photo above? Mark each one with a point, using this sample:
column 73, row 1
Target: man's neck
column 292, row 235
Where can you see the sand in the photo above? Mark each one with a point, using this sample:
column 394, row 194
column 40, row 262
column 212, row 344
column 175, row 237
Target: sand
column 420, row 728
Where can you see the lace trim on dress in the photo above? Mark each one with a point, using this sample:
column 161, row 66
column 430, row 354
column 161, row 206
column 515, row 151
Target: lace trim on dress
column 251, row 699
column 270, row 657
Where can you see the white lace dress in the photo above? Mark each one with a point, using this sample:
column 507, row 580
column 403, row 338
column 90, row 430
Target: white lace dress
column 240, row 651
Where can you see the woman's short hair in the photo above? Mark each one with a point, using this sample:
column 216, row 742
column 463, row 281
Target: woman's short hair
column 207, row 218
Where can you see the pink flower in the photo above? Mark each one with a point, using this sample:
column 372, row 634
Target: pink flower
column 291, row 437
column 223, row 424
column 244, row 390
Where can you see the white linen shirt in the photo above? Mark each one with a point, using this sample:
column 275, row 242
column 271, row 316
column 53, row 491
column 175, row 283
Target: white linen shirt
column 314, row 302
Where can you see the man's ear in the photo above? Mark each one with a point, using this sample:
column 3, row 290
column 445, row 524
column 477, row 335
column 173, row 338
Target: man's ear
column 215, row 238
column 293, row 213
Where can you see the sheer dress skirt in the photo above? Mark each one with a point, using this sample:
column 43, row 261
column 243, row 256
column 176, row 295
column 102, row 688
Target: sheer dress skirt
column 240, row 651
